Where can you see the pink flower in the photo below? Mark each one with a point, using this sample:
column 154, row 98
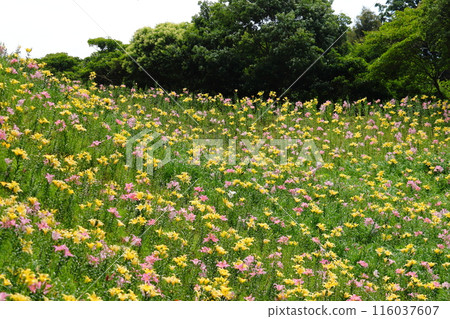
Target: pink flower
column 136, row 241
column 196, row 261
column 241, row 267
column 43, row 225
column 354, row 298
column 222, row 264
column 308, row 272
column 206, row 250
column 56, row 235
column 95, row 143
column 93, row 260
column 114, row 211
column 64, row 248
column 249, row 260
column 439, row 169
column 38, row 286
column 190, row 217
column 362, row 263
column 249, row 298
column 3, row 296
column 390, row 262
column 283, row 240
column 45, row 94
column 129, row 187
column 150, row 260
column 49, row 177
column 279, row 287
column 210, row 237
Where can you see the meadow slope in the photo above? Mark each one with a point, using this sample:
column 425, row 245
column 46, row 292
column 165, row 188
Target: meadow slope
column 368, row 221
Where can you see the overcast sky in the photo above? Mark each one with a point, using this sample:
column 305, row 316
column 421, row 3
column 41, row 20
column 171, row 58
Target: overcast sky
column 49, row 26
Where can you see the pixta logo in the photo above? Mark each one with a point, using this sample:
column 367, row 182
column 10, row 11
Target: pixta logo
column 143, row 147
column 213, row 149
column 146, row 149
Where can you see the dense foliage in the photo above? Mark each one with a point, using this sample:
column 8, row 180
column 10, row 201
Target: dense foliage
column 358, row 210
column 265, row 45
column 411, row 53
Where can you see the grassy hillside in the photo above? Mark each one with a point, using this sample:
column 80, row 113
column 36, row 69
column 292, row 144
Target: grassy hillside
column 365, row 217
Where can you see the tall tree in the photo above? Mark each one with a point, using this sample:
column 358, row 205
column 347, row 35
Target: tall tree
column 105, row 44
column 366, row 21
column 387, row 10
column 161, row 52
column 264, row 44
column 410, row 54
column 62, row 64
column 106, row 61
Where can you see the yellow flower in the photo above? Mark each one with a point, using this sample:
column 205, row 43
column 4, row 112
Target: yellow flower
column 224, row 272
column 228, row 203
column 6, row 281
column 69, row 298
column 102, row 160
column 131, row 255
column 94, row 297
column 14, row 186
column 220, row 250
column 20, row 152
column 149, row 290
column 184, row 177
column 203, row 280
column 410, row 263
column 19, row 297
column 181, row 261
column 393, row 297
column 115, row 291
column 172, row 280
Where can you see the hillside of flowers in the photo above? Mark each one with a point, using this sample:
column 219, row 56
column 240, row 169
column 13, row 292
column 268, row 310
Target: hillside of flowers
column 78, row 222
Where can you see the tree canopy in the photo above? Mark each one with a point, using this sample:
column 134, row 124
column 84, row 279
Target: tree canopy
column 266, row 45
column 366, row 21
column 62, row 64
column 387, row 10
column 245, row 45
column 410, row 54
column 161, row 52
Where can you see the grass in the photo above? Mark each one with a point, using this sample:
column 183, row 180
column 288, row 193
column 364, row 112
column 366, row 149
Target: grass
column 76, row 222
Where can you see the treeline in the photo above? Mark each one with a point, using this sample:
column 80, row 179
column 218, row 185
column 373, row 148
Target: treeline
column 265, row 45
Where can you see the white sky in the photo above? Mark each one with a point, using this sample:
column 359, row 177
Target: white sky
column 49, row 26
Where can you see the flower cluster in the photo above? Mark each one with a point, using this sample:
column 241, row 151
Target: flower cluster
column 77, row 222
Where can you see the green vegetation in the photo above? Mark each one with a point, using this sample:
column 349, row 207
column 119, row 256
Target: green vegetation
column 366, row 220
column 264, row 45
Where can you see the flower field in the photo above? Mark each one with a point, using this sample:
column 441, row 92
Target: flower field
column 370, row 221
